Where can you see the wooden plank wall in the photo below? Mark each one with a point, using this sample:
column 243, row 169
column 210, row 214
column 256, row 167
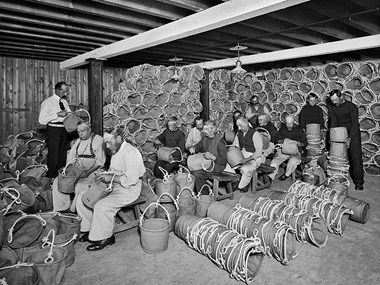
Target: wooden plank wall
column 25, row 83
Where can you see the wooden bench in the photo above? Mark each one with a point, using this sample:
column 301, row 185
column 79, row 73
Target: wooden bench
column 263, row 170
column 227, row 178
column 123, row 223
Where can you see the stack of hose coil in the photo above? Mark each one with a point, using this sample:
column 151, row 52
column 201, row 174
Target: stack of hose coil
column 338, row 165
column 359, row 208
column 335, row 215
column 234, row 252
column 308, row 227
column 277, row 237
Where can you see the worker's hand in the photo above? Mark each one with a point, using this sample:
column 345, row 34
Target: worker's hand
column 62, row 114
column 348, row 142
column 157, row 141
column 105, row 177
column 280, row 141
column 299, row 144
column 209, row 155
column 192, row 150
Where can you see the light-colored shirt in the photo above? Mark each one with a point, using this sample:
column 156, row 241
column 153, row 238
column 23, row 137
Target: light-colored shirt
column 84, row 148
column 50, row 108
column 128, row 163
column 193, row 137
column 257, row 141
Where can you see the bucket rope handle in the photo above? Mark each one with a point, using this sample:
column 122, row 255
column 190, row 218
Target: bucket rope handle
column 166, row 174
column 171, row 197
column 30, row 132
column 24, row 216
column 212, row 166
column 189, row 179
column 17, row 265
column 46, row 241
column 15, row 199
column 110, row 186
column 34, row 166
column 210, row 193
column 185, row 188
column 88, row 114
column 71, row 162
column 156, row 204
column 150, row 187
column 180, row 151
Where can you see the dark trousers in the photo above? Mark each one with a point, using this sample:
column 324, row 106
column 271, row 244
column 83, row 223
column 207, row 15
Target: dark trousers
column 201, row 176
column 57, row 143
column 356, row 161
column 169, row 167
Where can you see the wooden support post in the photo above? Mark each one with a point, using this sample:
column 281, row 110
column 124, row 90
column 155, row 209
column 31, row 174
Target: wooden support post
column 205, row 96
column 95, row 94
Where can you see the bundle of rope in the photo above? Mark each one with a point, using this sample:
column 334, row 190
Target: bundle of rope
column 277, row 237
column 337, row 173
column 308, row 227
column 234, row 252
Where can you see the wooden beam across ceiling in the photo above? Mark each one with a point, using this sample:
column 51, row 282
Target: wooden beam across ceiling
column 217, row 16
column 314, row 50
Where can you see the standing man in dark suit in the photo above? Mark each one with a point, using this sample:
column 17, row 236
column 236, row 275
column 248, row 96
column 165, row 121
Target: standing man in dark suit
column 52, row 113
column 345, row 114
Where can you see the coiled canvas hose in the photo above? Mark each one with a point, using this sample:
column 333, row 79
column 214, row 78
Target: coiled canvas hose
column 234, row 252
column 301, row 195
column 277, row 237
column 359, row 208
column 308, row 226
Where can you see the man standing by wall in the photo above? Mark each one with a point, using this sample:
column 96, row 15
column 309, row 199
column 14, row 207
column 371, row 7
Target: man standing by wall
column 345, row 114
column 52, row 113
column 311, row 113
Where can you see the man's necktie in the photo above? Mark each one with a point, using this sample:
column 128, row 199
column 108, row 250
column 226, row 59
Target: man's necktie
column 61, row 105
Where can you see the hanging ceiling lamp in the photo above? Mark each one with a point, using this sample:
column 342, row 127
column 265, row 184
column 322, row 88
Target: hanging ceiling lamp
column 175, row 76
column 238, row 68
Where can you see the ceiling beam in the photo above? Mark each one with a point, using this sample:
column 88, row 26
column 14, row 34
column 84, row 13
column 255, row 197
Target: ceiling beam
column 103, row 11
column 148, row 7
column 314, row 50
column 196, row 6
column 212, row 18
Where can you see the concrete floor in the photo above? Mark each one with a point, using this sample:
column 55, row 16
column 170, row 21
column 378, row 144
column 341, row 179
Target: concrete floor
column 351, row 259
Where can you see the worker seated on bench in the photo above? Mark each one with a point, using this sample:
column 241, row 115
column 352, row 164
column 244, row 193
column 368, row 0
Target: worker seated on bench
column 294, row 133
column 126, row 170
column 271, row 129
column 250, row 142
column 88, row 150
column 214, row 151
column 171, row 137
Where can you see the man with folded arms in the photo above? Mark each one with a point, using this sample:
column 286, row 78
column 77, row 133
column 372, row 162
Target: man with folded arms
column 126, row 172
column 293, row 132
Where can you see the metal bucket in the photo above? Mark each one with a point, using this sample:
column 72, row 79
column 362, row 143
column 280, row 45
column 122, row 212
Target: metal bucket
column 154, row 233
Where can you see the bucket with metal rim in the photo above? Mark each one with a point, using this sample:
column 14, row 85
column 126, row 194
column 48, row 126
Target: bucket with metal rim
column 154, row 232
column 170, row 154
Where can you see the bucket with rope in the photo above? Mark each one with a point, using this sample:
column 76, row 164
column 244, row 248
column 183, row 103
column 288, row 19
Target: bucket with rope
column 204, row 200
column 183, row 179
column 166, row 185
column 171, row 208
column 186, row 203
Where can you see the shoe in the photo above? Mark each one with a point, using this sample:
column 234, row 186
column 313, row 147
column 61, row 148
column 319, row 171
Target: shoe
column 99, row 245
column 84, row 237
column 359, row 187
column 283, row 177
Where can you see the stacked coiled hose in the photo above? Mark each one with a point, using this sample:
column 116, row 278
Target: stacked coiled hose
column 360, row 208
column 234, row 252
column 277, row 237
column 335, row 215
column 308, row 227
